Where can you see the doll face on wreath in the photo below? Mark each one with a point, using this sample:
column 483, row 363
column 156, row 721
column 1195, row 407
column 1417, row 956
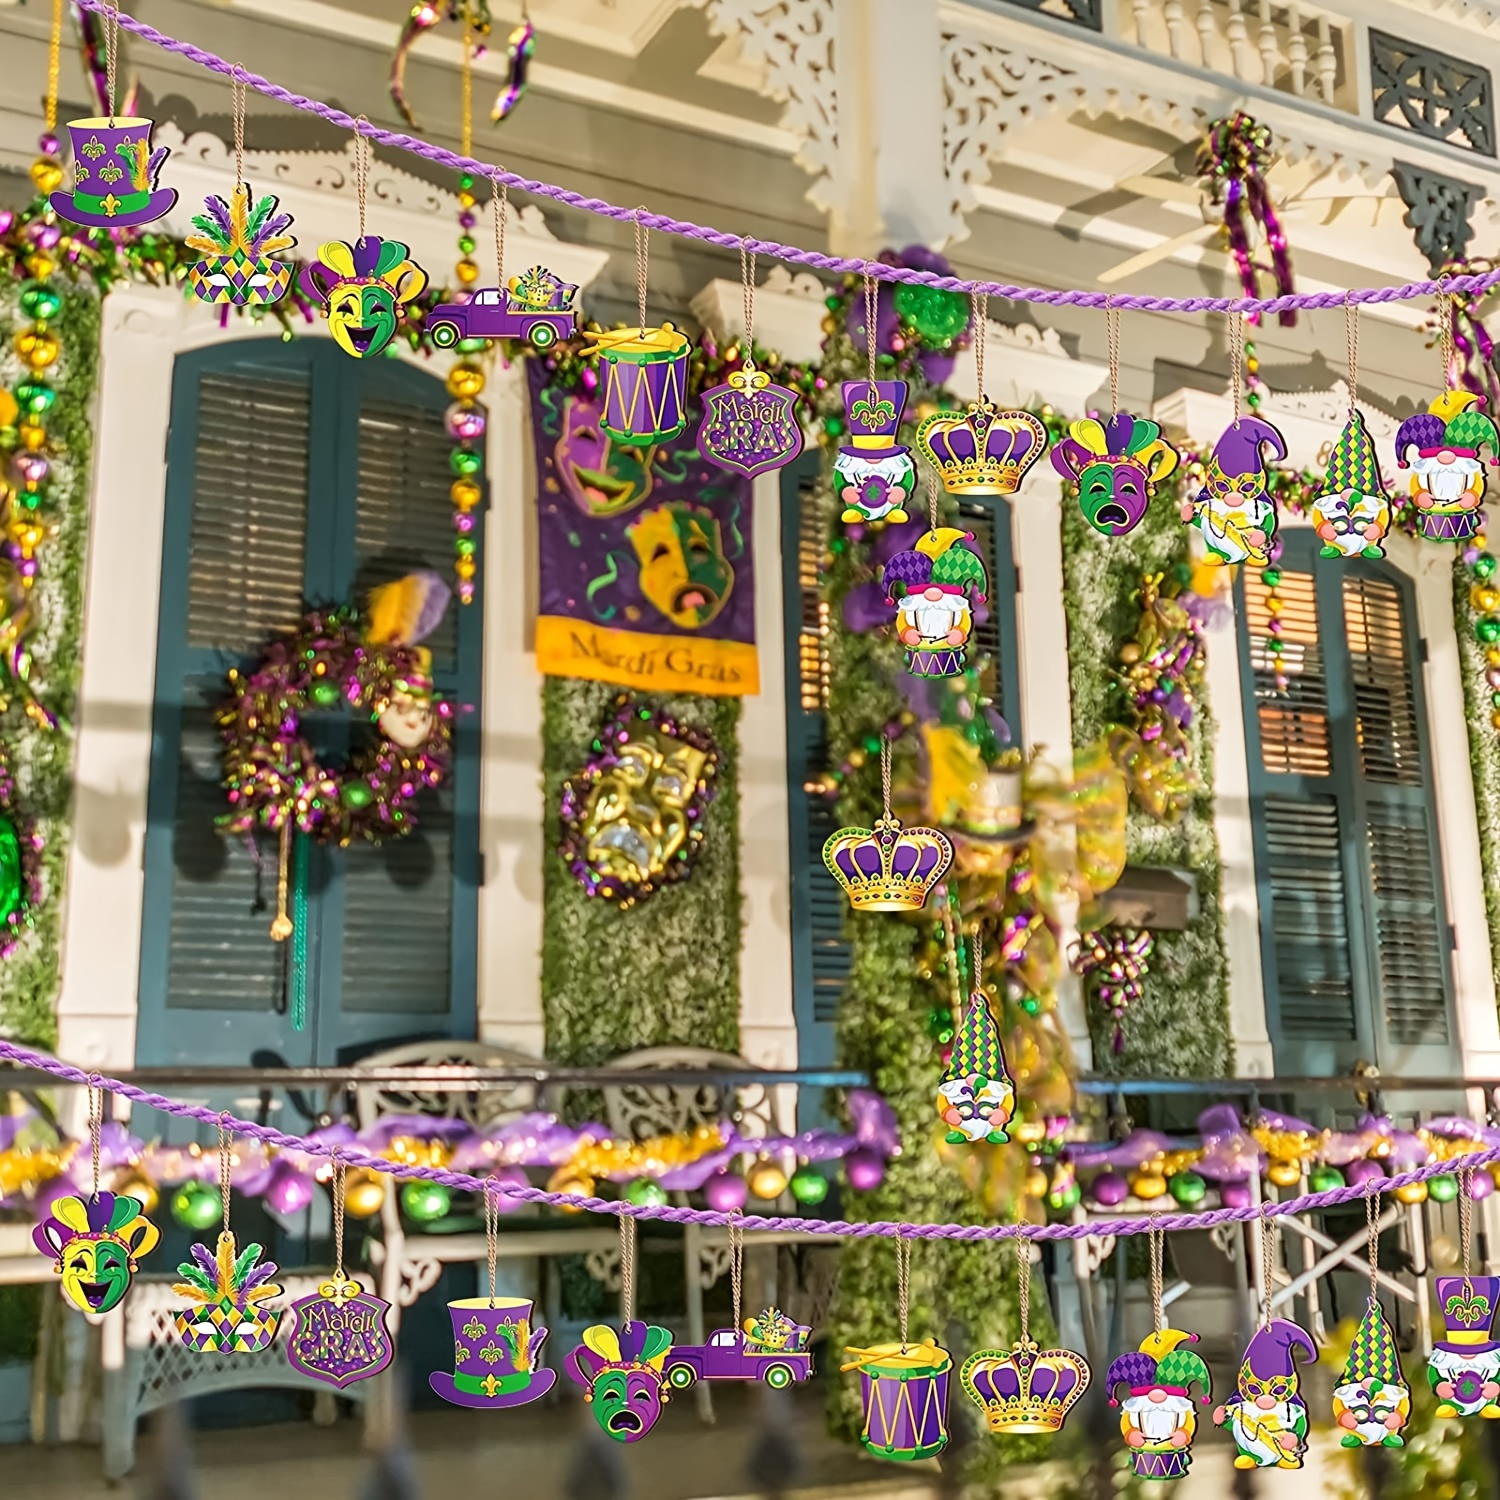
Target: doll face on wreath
column 407, row 720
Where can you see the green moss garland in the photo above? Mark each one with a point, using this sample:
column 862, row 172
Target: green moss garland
column 665, row 972
column 1484, row 749
column 1180, row 1026
column 41, row 758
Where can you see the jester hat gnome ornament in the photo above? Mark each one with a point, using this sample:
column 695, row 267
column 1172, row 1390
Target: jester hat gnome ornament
column 621, row 1375
column 95, row 1244
column 1233, row 512
column 933, row 587
column 1464, row 1366
column 1371, row 1402
column 362, row 288
column 976, row 1097
column 238, row 241
column 1116, row 465
column 114, row 175
column 1441, row 450
column 873, row 475
column 1351, row 513
column 1267, row 1415
column 1153, row 1387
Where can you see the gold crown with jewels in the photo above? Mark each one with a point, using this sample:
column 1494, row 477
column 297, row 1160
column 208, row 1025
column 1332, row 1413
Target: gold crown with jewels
column 887, row 867
column 1026, row 1389
column 983, row 451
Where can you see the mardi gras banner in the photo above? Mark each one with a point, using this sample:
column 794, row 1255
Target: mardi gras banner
column 647, row 574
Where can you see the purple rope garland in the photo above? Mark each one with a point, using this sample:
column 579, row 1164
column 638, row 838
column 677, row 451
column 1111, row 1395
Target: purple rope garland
column 686, row 229
column 835, row 1228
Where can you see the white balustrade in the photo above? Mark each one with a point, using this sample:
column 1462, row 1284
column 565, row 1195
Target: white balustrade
column 1285, row 45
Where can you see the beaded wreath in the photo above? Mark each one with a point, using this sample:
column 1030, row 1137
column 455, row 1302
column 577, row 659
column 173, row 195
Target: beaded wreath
column 271, row 772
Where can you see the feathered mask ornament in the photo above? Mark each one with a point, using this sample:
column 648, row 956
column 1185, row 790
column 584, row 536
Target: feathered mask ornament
column 228, row 1288
column 237, row 240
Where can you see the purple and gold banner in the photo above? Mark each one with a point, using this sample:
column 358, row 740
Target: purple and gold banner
column 647, row 572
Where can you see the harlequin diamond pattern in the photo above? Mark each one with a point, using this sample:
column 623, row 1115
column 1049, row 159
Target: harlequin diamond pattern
column 224, row 1329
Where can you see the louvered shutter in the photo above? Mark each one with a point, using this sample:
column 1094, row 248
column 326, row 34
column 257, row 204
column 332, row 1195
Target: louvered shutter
column 1353, row 933
column 820, row 951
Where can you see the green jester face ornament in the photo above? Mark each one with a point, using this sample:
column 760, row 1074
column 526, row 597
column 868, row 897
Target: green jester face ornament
column 95, row 1243
column 362, row 288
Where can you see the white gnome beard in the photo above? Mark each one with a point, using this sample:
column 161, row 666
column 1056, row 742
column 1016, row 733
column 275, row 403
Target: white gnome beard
column 853, row 470
column 1156, row 1421
column 960, row 1094
column 1255, row 1428
column 1450, row 1365
column 1447, row 482
column 932, row 619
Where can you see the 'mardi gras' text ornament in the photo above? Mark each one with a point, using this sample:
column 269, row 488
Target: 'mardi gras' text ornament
column 749, row 424
column 339, row 1334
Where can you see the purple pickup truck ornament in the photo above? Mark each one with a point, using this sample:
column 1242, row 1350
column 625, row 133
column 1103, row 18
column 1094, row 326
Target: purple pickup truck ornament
column 535, row 306
column 771, row 1348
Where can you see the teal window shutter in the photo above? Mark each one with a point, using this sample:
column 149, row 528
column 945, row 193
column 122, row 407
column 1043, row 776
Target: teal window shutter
column 296, row 473
column 1355, row 940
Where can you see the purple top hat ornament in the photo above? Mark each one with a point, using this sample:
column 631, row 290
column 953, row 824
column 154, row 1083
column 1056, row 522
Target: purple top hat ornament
column 873, row 420
column 114, row 175
column 495, row 1348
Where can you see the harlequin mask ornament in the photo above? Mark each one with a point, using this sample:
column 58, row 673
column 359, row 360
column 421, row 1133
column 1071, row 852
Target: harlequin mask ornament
column 976, row 1097
column 983, row 451
column 95, row 1244
column 931, row 587
column 114, row 175
column 362, row 288
column 1157, row 1416
column 1267, row 1416
column 1371, row 1402
column 1351, row 513
column 621, row 1375
column 749, row 423
column 873, row 475
column 1233, row 512
column 633, row 815
column 887, row 867
column 238, row 242
column 229, row 1285
column 1116, row 465
column 1442, row 449
column 1464, row 1366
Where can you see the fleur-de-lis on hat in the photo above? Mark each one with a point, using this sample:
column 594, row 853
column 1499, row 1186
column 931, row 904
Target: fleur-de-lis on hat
column 111, row 173
column 93, row 147
column 460, row 1353
column 474, row 1329
column 491, row 1353
column 872, row 413
column 1468, row 1310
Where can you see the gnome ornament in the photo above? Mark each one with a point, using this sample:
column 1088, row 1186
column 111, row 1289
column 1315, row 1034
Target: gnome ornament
column 976, row 1097
column 1157, row 1413
column 873, row 475
column 1233, row 512
column 1267, row 1416
column 1371, row 1403
column 932, row 587
column 1351, row 513
column 1464, row 1366
column 1441, row 455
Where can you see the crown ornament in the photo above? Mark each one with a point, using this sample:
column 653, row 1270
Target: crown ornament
column 887, row 867
column 1025, row 1389
column 984, row 451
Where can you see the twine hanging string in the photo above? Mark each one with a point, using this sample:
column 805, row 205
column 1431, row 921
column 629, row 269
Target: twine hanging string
column 747, row 292
column 1154, row 1245
column 226, row 1164
column 1112, row 337
column 1474, row 283
column 871, row 307
column 642, row 258
column 111, row 12
column 736, row 1262
column 1351, row 351
column 1267, row 1263
column 978, row 948
column 932, row 498
column 362, row 150
column 1372, row 1235
column 340, row 1172
column 499, row 212
column 54, row 64
column 96, row 1126
column 492, row 1233
column 1237, row 364
column 981, row 305
column 1465, row 1218
column 1447, row 313
column 627, row 1269
column 237, row 107
column 1023, row 1284
column 903, row 1287
column 885, row 778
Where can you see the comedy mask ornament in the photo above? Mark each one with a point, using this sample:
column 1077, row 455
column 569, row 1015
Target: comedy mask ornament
column 931, row 587
column 1116, row 465
column 95, row 1244
column 1267, row 1416
column 362, row 288
column 1351, row 513
column 1441, row 448
column 621, row 1375
column 633, row 816
column 1153, row 1387
column 1233, row 512
column 683, row 570
column 237, row 242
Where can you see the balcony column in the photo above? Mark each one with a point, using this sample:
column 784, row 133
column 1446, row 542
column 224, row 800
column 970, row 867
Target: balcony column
column 889, row 184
